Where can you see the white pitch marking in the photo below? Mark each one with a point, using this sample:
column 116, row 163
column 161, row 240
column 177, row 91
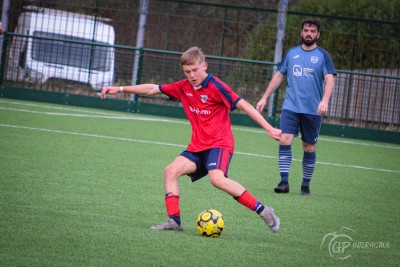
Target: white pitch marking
column 177, row 145
column 104, row 115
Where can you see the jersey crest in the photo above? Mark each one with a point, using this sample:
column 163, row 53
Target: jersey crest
column 314, row 59
column 204, row 98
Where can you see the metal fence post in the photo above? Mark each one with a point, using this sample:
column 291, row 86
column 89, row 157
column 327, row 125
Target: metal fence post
column 5, row 14
column 143, row 10
column 93, row 40
column 350, row 86
column 281, row 25
column 135, row 98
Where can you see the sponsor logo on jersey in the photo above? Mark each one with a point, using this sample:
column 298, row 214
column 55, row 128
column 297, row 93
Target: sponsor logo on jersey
column 296, row 56
column 297, row 71
column 199, row 111
column 308, row 71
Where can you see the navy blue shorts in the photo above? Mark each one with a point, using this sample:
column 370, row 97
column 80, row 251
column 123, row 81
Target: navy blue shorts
column 211, row 159
column 309, row 125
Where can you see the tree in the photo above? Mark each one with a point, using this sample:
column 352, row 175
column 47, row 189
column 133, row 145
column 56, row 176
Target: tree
column 367, row 9
column 359, row 34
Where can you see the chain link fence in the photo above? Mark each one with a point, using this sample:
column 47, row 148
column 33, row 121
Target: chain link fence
column 239, row 42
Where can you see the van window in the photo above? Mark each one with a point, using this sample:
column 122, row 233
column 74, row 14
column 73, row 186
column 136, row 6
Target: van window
column 71, row 54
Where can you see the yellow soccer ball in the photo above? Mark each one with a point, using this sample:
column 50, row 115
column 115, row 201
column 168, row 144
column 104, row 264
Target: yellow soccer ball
column 210, row 223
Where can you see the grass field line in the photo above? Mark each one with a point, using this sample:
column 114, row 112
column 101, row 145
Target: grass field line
column 42, row 105
column 182, row 146
column 90, row 135
column 107, row 115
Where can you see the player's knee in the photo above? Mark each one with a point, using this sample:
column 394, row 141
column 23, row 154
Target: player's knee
column 217, row 181
column 286, row 139
column 170, row 173
column 309, row 148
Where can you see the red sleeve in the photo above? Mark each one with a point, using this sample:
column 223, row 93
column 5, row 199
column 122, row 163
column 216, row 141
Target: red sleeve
column 173, row 90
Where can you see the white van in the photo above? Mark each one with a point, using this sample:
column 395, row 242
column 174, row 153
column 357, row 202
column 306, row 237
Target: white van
column 39, row 59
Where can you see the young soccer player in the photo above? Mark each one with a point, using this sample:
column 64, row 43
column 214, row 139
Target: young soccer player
column 310, row 74
column 207, row 102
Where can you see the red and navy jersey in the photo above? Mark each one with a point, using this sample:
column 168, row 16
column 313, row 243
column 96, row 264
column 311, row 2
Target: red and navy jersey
column 208, row 110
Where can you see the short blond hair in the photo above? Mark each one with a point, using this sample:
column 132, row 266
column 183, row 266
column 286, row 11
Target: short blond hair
column 192, row 56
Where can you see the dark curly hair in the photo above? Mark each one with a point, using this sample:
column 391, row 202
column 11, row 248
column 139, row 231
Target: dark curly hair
column 311, row 22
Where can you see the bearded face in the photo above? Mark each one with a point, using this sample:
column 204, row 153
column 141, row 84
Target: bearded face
column 308, row 40
column 309, row 34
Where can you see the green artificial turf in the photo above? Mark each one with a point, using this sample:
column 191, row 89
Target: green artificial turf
column 81, row 187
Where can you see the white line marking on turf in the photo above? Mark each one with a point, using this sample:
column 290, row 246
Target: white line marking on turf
column 117, row 117
column 106, row 115
column 76, row 109
column 91, row 135
column 182, row 146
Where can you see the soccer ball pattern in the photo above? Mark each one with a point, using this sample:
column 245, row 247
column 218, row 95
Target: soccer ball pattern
column 210, row 223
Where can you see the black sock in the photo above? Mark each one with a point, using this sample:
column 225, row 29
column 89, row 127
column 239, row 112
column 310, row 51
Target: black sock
column 177, row 219
column 259, row 208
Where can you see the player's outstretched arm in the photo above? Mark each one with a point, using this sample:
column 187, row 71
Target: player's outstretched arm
column 257, row 117
column 141, row 89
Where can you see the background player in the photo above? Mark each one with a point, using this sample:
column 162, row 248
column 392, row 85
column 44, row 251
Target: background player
column 307, row 67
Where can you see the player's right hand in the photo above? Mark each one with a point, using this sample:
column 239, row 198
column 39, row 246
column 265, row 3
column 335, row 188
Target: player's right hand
column 109, row 90
column 275, row 134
